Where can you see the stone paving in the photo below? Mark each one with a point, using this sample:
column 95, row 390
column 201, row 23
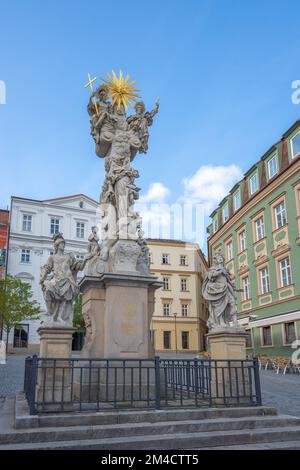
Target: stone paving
column 281, row 391
column 12, row 374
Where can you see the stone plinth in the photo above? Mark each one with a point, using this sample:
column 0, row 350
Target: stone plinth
column 229, row 381
column 117, row 309
column 54, row 377
column 227, row 343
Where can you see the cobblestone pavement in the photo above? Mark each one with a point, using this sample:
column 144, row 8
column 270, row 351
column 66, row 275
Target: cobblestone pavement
column 281, row 391
column 12, row 375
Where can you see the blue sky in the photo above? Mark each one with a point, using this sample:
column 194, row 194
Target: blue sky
column 223, row 70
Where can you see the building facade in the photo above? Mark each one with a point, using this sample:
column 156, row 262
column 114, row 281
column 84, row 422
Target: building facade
column 32, row 226
column 4, row 227
column 179, row 320
column 257, row 229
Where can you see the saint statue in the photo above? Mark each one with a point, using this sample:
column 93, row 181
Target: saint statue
column 219, row 291
column 118, row 139
column 58, row 282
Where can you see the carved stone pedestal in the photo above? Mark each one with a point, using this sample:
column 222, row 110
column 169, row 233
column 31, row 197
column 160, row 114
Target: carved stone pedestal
column 229, row 380
column 227, row 343
column 54, row 377
column 117, row 309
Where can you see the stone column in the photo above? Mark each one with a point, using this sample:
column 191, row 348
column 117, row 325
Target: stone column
column 54, row 376
column 229, row 380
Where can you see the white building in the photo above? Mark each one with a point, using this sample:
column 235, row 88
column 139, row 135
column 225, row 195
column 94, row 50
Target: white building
column 32, row 226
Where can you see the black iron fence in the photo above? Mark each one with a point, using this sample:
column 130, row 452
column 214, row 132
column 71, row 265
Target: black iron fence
column 56, row 384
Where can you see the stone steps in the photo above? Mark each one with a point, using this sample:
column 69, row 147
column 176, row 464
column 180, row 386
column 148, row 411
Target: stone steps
column 278, row 445
column 149, row 416
column 69, row 433
column 196, row 440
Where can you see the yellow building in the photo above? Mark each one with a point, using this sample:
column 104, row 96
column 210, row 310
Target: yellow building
column 179, row 320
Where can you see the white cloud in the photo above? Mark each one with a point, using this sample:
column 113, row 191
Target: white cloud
column 210, row 184
column 157, row 192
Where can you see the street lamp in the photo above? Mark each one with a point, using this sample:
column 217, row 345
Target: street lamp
column 175, row 316
column 252, row 317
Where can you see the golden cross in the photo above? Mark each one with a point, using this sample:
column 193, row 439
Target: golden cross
column 91, row 85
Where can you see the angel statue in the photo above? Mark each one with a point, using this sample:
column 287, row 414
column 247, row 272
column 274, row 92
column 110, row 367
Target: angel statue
column 140, row 121
column 219, row 291
column 58, row 282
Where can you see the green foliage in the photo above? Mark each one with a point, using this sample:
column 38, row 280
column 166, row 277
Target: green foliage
column 16, row 303
column 78, row 320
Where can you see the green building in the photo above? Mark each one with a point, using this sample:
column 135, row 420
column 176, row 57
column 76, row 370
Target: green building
column 257, row 229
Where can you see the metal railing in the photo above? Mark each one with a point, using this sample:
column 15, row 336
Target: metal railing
column 72, row 384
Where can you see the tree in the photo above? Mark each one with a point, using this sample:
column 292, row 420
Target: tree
column 16, row 303
column 78, row 320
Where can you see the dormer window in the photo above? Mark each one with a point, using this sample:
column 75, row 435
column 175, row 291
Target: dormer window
column 237, row 200
column 295, row 145
column 253, row 183
column 225, row 215
column 215, row 225
column 272, row 167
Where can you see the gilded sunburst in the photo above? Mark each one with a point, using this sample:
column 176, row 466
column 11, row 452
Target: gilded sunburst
column 121, row 90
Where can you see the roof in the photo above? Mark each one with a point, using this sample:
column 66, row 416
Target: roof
column 69, row 197
column 56, row 198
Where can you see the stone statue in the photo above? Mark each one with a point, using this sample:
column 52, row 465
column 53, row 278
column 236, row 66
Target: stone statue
column 219, row 291
column 59, row 286
column 140, row 121
column 118, row 139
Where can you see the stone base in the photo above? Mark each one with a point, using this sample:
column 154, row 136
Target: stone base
column 54, row 383
column 227, row 343
column 117, row 309
column 232, row 384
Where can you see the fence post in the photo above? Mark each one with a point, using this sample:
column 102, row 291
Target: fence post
column 32, row 384
column 257, row 381
column 157, row 382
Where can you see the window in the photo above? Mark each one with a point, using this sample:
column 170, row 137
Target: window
column 21, row 336
column 260, row 228
column 272, row 167
column 54, row 226
column 166, row 285
column 183, row 260
column 27, row 222
column 215, row 225
column 253, row 183
column 25, row 256
column 225, row 215
column 267, row 336
column 285, row 272
column 246, row 288
column 280, row 214
column 289, row 332
column 237, row 200
column 183, row 284
column 166, row 310
column 81, row 204
column 264, row 281
column 185, row 339
column 165, row 259
column 79, row 229
column 229, row 251
column 242, row 240
column 167, row 339
column 184, row 310
column 295, row 145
